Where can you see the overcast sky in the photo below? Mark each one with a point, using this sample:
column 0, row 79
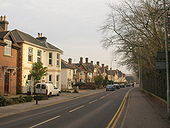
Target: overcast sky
column 72, row 25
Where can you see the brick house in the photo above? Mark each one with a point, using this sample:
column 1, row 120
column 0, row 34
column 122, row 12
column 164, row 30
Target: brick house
column 8, row 60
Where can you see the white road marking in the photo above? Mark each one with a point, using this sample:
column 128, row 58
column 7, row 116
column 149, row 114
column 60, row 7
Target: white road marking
column 77, row 108
column 102, row 97
column 92, row 101
column 45, row 121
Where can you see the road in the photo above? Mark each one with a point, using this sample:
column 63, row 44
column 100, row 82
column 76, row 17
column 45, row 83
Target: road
column 94, row 111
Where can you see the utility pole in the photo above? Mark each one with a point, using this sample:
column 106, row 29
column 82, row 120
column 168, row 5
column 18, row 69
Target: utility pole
column 166, row 53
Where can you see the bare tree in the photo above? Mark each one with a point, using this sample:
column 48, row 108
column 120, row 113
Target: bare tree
column 137, row 27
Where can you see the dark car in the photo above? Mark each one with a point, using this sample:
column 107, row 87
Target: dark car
column 110, row 87
column 117, row 86
column 122, row 85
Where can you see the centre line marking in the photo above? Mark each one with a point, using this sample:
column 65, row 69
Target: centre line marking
column 45, row 121
column 77, row 108
column 93, row 101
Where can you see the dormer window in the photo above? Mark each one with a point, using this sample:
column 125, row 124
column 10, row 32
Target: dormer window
column 7, row 48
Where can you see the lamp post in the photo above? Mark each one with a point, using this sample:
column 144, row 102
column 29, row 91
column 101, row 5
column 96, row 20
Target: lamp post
column 166, row 53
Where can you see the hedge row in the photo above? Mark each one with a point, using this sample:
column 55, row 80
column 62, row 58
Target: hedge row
column 9, row 101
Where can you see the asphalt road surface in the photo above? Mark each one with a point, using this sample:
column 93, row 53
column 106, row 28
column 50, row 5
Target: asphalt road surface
column 94, row 111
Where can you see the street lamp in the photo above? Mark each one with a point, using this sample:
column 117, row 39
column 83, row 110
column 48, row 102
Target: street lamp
column 166, row 54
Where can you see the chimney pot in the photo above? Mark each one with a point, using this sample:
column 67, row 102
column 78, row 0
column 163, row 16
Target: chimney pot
column 4, row 18
column 1, row 18
column 98, row 63
column 81, row 60
column 69, row 60
column 3, row 23
column 86, row 60
column 38, row 34
column 102, row 65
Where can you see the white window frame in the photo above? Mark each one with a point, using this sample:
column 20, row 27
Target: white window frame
column 49, row 78
column 50, row 58
column 58, row 60
column 39, row 57
column 30, row 54
column 8, row 48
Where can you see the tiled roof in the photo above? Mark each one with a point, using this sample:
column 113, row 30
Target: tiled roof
column 21, row 37
column 64, row 64
column 2, row 34
column 111, row 72
column 89, row 67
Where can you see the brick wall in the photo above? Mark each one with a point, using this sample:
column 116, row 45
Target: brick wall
column 9, row 61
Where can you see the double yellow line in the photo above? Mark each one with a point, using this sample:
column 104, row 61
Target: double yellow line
column 115, row 118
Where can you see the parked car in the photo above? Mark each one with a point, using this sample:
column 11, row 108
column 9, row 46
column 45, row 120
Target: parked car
column 46, row 88
column 117, row 86
column 122, row 85
column 110, row 87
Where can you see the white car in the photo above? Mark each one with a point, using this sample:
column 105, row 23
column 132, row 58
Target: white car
column 46, row 88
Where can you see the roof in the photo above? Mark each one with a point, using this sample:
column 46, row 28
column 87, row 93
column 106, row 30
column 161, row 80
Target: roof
column 89, row 67
column 21, row 37
column 64, row 64
column 111, row 72
column 7, row 35
column 2, row 34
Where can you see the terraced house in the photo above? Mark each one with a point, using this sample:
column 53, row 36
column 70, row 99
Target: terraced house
column 34, row 50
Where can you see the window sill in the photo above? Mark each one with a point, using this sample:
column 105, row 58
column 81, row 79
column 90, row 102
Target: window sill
column 8, row 55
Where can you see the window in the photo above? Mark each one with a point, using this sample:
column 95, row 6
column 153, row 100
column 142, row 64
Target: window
column 29, row 77
column 50, row 78
column 57, row 78
column 39, row 54
column 50, row 58
column 58, row 59
column 7, row 48
column 30, row 54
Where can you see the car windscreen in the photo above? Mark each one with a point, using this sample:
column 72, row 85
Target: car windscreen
column 38, row 86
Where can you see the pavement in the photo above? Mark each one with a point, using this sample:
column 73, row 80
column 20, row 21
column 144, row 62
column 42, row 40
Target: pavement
column 143, row 111
column 23, row 107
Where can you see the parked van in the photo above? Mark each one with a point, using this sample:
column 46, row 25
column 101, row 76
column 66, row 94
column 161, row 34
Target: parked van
column 46, row 88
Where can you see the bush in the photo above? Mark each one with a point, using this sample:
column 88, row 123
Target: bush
column 2, row 101
column 15, row 100
column 28, row 98
column 79, row 84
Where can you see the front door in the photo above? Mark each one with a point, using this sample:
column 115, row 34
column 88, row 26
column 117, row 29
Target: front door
column 6, row 84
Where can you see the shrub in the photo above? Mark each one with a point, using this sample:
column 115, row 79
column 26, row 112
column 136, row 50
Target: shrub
column 2, row 101
column 28, row 98
column 79, row 84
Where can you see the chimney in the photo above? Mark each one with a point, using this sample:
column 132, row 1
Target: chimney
column 3, row 23
column 41, row 38
column 69, row 60
column 81, row 60
column 91, row 62
column 102, row 65
column 98, row 63
column 86, row 60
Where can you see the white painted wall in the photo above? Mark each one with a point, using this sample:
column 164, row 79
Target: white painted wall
column 53, row 69
column 67, row 78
